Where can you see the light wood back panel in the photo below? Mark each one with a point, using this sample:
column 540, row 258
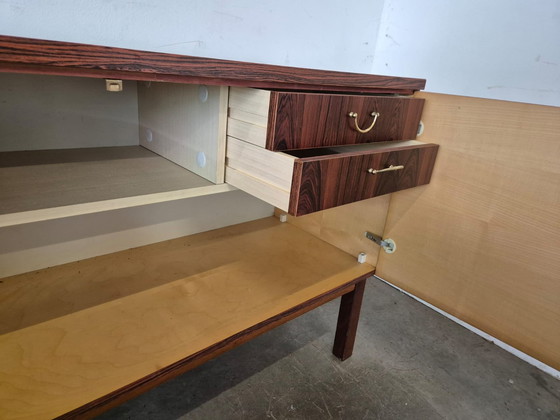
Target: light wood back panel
column 40, row 112
column 176, row 123
column 482, row 240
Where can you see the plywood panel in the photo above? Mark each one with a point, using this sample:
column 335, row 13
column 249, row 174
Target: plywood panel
column 482, row 240
column 247, row 131
column 258, row 188
column 253, row 101
column 274, row 168
column 185, row 124
column 344, row 226
column 248, row 115
column 98, row 325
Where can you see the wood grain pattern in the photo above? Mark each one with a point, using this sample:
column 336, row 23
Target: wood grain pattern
column 347, row 325
column 246, row 131
column 105, row 328
column 126, row 393
column 273, row 168
column 330, row 181
column 253, row 101
column 305, row 120
column 47, row 184
column 482, row 241
column 51, row 57
column 248, row 115
column 258, row 188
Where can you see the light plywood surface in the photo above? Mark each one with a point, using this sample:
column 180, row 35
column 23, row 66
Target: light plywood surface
column 185, row 122
column 264, row 174
column 345, row 226
column 257, row 187
column 76, row 332
column 241, row 115
column 275, row 168
column 254, row 101
column 482, row 241
column 246, row 131
column 46, row 184
column 248, row 115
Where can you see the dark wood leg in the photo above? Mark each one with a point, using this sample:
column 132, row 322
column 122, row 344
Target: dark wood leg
column 347, row 324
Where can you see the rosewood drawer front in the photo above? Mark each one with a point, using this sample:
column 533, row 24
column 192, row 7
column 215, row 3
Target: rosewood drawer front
column 288, row 120
column 302, row 182
column 324, row 182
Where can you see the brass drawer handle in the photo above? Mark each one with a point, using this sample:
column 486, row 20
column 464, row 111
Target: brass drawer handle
column 354, row 115
column 389, row 169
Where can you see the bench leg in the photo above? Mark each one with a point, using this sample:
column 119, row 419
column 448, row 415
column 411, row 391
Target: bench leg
column 347, row 324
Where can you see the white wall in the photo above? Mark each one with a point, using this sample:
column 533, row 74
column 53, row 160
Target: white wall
column 499, row 49
column 312, row 33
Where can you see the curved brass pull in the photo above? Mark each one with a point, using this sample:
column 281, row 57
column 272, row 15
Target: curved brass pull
column 389, row 169
column 354, row 115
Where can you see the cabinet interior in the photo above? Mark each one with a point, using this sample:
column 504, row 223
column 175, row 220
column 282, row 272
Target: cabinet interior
column 68, row 146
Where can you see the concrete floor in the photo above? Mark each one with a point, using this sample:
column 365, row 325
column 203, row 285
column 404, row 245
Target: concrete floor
column 409, row 362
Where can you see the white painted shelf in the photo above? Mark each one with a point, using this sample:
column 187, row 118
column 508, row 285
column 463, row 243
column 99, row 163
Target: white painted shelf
column 49, row 184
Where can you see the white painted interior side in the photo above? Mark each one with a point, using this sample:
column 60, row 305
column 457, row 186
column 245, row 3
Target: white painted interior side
column 500, row 49
column 313, row 33
column 43, row 244
column 40, row 112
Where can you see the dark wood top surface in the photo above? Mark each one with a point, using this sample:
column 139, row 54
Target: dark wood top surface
column 25, row 55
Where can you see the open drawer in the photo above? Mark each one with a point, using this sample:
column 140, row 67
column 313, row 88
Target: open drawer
column 301, row 120
column 305, row 181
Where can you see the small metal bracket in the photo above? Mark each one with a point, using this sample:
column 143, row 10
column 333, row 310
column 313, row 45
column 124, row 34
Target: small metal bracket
column 388, row 245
